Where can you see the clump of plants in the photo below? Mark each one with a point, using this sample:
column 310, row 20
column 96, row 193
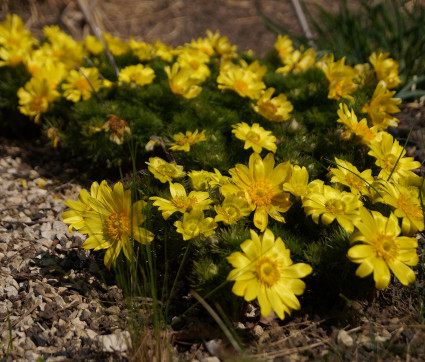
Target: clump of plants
column 268, row 177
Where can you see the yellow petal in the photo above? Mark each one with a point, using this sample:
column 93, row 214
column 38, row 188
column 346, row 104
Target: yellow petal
column 381, row 274
column 403, row 273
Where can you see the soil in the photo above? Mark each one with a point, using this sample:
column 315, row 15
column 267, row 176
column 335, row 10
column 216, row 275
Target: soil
column 388, row 326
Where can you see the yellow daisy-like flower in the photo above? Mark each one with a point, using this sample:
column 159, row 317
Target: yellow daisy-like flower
column 81, row 84
column 359, row 129
column 255, row 136
column 298, row 61
column 381, row 249
column 406, row 203
column 221, row 45
column 390, row 158
column 165, row 52
column 348, row 175
column 243, row 81
column 386, row 69
column 340, row 77
column 182, row 142
column 194, row 224
column 93, row 45
column 113, row 222
column 381, row 106
column 331, row 204
column 115, row 45
column 79, row 208
column 264, row 271
column 165, row 171
column 232, row 210
column 262, row 186
column 274, row 109
column 204, row 180
column 137, row 74
column 284, row 47
column 298, row 182
column 35, row 97
column 180, row 201
column 197, row 61
column 181, row 82
column 141, row 49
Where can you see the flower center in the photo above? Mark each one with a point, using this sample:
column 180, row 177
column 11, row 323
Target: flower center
column 386, row 248
column 184, row 202
column 335, row 206
column 354, row 181
column 241, row 86
column 37, row 103
column 117, row 224
column 389, row 162
column 166, row 170
column 267, row 270
column 253, row 137
column 411, row 209
column 269, row 108
column 82, row 84
column 261, row 193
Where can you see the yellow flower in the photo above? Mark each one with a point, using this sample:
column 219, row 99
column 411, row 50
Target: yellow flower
column 80, row 84
column 274, row 109
column 243, row 81
column 261, row 184
column 359, row 129
column 255, row 136
column 115, row 45
column 165, row 171
column 381, row 249
column 113, row 222
column 232, row 210
column 93, row 45
column 62, row 47
column 348, row 175
column 79, row 208
column 284, row 47
column 386, row 69
column 136, row 74
column 202, row 44
column 298, row 61
column 406, row 204
column 195, row 60
column 340, row 77
column 14, row 35
column 181, row 82
column 331, row 204
column 194, row 224
column 297, row 185
column 381, row 106
column 182, row 142
column 264, row 271
column 141, row 49
column 203, row 180
column 221, row 45
column 390, row 158
column 163, row 51
column 180, row 201
column 35, row 97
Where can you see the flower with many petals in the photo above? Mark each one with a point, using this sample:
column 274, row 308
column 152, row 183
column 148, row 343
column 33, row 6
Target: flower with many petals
column 180, row 201
column 79, row 85
column 165, row 171
column 137, row 74
column 380, row 249
column 232, row 210
column 181, row 82
column 261, row 183
column 386, row 69
column 274, row 109
column 255, row 136
column 194, row 223
column 331, row 204
column 264, row 271
column 182, row 142
column 113, row 222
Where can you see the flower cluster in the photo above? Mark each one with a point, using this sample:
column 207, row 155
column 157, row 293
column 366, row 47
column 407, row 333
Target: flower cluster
column 232, row 150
